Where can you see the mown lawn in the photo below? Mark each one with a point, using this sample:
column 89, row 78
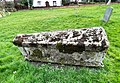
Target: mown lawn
column 13, row 68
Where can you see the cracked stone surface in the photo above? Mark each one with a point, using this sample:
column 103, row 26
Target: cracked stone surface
column 84, row 47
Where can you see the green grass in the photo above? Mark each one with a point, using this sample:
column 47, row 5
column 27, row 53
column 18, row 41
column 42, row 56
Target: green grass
column 13, row 68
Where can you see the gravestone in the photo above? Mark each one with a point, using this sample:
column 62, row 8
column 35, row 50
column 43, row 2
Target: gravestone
column 81, row 47
column 0, row 11
column 107, row 14
column 0, row 14
column 47, row 4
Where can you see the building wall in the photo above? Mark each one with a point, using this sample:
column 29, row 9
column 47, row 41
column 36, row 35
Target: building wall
column 82, row 0
column 41, row 3
column 78, row 0
column 9, row 0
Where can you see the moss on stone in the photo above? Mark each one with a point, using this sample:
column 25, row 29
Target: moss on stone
column 70, row 48
column 37, row 53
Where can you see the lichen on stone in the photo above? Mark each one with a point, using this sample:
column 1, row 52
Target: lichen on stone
column 85, row 47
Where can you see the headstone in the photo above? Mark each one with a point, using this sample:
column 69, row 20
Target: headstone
column 47, row 4
column 107, row 14
column 83, row 47
column 1, row 11
column 0, row 15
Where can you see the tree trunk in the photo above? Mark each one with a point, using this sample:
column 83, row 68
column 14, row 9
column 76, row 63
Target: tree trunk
column 28, row 4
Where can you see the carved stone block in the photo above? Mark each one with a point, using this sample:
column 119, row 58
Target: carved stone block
column 84, row 47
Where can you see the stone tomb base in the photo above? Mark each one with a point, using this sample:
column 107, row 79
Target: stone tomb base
column 81, row 47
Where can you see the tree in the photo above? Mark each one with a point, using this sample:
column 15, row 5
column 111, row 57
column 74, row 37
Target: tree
column 30, row 3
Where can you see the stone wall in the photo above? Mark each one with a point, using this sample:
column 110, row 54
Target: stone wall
column 84, row 47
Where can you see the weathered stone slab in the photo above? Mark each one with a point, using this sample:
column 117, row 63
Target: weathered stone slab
column 84, row 47
column 107, row 14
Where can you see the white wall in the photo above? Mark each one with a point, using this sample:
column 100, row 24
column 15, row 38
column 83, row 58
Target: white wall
column 82, row 0
column 9, row 0
column 35, row 4
column 78, row 0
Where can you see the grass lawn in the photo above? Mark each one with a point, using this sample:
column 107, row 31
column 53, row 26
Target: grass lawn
column 13, row 68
